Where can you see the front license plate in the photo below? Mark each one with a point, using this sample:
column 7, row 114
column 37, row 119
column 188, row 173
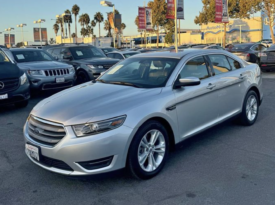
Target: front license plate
column 32, row 151
column 60, row 80
column 2, row 97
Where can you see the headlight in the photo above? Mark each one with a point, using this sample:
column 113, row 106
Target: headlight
column 23, row 79
column 98, row 127
column 71, row 70
column 91, row 66
column 35, row 72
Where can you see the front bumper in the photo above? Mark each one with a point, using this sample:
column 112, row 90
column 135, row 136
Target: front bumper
column 49, row 83
column 72, row 150
column 22, row 93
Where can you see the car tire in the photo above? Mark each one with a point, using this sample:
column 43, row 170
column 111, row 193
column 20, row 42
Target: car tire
column 147, row 154
column 22, row 104
column 82, row 77
column 250, row 109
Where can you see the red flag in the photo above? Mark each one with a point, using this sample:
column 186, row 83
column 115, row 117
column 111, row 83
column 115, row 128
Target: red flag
column 141, row 18
column 170, row 9
column 219, row 11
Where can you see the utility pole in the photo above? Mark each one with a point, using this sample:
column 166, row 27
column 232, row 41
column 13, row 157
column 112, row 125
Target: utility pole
column 176, row 26
column 240, row 32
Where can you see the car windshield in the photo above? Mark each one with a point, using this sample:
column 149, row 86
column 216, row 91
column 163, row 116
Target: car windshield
column 86, row 52
column 141, row 72
column 3, row 57
column 26, row 55
column 242, row 47
column 127, row 55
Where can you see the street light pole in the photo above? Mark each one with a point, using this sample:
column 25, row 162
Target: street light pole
column 240, row 32
column 39, row 22
column 21, row 26
column 176, row 26
column 110, row 4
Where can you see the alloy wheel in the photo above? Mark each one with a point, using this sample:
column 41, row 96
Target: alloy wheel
column 151, row 150
column 251, row 108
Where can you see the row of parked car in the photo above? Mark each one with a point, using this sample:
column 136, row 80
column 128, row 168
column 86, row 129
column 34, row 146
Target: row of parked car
column 65, row 65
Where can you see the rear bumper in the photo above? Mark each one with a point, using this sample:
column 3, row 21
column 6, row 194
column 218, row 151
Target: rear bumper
column 19, row 95
column 267, row 66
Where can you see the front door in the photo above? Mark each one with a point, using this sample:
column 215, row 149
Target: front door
column 196, row 105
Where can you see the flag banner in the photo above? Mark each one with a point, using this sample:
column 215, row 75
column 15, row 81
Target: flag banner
column 180, row 9
column 149, row 24
column 219, row 11
column 118, row 21
column 141, row 18
column 170, row 9
column 111, row 20
column 225, row 17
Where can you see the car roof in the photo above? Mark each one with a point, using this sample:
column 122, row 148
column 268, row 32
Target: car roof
column 25, row 49
column 179, row 55
column 124, row 52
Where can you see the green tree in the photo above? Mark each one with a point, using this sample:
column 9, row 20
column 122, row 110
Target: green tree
column 98, row 19
column 159, row 10
column 90, row 30
column 75, row 12
column 60, row 21
column 236, row 9
column 86, row 19
column 56, row 29
column 81, row 20
column 269, row 11
column 84, row 32
column 74, row 36
column 93, row 23
column 68, row 20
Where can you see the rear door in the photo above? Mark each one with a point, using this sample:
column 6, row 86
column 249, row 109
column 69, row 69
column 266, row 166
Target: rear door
column 196, row 105
column 230, row 81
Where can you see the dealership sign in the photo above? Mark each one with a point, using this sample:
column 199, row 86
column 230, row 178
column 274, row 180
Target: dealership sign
column 180, row 9
column 221, row 11
column 149, row 23
column 141, row 18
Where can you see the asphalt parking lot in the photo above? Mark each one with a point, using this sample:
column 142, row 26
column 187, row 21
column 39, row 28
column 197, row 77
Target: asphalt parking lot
column 228, row 164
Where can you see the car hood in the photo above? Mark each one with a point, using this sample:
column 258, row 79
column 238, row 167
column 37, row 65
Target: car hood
column 92, row 102
column 99, row 61
column 42, row 65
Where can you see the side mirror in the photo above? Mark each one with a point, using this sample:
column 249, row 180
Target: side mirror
column 188, row 81
column 66, row 57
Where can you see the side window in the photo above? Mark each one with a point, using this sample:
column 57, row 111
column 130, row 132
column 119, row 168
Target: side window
column 50, row 51
column 66, row 52
column 256, row 48
column 220, row 64
column 234, row 64
column 262, row 48
column 118, row 56
column 195, row 68
column 110, row 55
column 56, row 53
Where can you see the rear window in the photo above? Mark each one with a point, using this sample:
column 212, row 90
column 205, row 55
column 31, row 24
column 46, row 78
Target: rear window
column 242, row 47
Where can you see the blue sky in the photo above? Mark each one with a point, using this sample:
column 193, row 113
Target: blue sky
column 26, row 11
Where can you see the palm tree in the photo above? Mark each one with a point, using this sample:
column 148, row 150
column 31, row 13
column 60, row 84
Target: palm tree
column 98, row 19
column 68, row 20
column 75, row 12
column 86, row 19
column 123, row 26
column 56, row 29
column 59, row 21
column 93, row 23
column 90, row 30
column 81, row 20
column 84, row 32
column 107, row 27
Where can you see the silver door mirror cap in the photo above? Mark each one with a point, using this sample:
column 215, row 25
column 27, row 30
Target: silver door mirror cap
column 187, row 81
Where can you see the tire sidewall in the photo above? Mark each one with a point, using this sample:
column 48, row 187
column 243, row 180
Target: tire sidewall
column 132, row 162
column 83, row 73
column 245, row 120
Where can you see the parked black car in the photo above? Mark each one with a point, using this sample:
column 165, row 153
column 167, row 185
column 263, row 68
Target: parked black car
column 88, row 61
column 268, row 59
column 14, row 84
column 250, row 52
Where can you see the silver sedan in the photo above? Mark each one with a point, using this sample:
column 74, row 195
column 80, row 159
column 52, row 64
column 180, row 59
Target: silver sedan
column 138, row 110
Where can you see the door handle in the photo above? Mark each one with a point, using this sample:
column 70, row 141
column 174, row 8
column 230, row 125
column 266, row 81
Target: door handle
column 211, row 86
column 242, row 77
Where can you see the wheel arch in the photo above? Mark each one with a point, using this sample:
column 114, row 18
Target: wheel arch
column 256, row 90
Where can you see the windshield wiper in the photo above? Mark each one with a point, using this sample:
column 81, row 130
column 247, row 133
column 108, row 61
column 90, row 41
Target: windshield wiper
column 124, row 83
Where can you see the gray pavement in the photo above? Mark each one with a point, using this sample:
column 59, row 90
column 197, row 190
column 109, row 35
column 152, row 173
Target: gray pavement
column 228, row 164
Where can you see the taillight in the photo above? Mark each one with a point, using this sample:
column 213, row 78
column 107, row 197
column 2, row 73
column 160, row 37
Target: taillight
column 247, row 57
column 263, row 65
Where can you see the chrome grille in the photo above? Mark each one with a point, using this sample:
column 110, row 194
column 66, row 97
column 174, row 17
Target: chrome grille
column 9, row 85
column 57, row 72
column 45, row 132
